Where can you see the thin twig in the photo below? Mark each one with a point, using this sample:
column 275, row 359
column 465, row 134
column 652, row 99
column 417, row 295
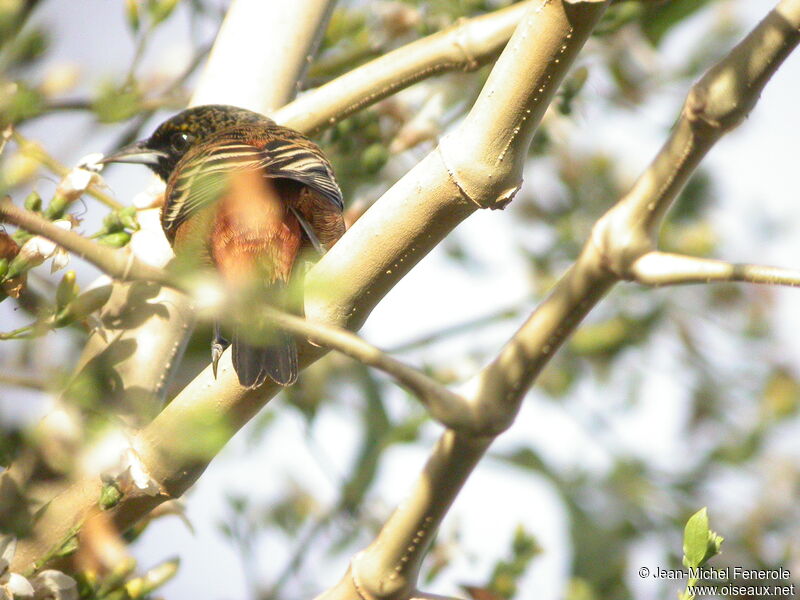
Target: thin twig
column 33, row 383
column 120, row 264
column 445, row 406
column 664, row 268
column 36, row 152
column 468, row 326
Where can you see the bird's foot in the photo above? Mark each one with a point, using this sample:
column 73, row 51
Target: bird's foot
column 218, row 345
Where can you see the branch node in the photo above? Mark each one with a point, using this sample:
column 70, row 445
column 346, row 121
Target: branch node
column 470, row 62
column 492, row 201
column 620, row 240
column 395, row 585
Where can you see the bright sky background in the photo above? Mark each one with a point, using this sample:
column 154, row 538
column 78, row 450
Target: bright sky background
column 758, row 163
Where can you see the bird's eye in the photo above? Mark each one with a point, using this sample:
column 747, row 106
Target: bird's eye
column 180, row 141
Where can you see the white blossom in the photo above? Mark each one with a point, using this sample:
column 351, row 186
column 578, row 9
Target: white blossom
column 89, row 162
column 19, row 587
column 54, row 585
column 133, row 476
column 76, row 181
column 38, row 249
column 13, row 586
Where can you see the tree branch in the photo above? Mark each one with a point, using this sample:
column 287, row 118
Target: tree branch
column 626, row 233
column 281, row 53
column 120, row 264
column 483, row 159
column 448, row 408
column 163, row 317
column 465, row 46
column 411, row 218
column 22, row 381
column 664, row 268
column 716, row 104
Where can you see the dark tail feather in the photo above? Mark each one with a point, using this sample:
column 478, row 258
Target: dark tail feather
column 253, row 364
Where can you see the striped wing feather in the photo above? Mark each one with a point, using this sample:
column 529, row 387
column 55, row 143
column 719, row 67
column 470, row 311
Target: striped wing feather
column 200, row 177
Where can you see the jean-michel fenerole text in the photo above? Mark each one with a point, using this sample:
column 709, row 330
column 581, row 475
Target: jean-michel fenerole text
column 723, row 574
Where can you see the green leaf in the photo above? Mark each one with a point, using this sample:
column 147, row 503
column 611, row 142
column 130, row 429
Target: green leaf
column 67, row 290
column 160, row 10
column 118, row 239
column 714, row 544
column 33, row 201
column 700, row 544
column 28, row 47
column 658, row 19
column 84, row 305
column 19, row 102
column 110, row 496
column 132, row 14
column 695, row 538
column 114, row 104
column 374, row 157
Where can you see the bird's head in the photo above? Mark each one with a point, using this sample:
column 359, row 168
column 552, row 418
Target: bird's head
column 175, row 136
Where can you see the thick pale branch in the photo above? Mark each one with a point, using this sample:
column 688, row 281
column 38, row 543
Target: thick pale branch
column 555, row 32
column 717, row 103
column 499, row 388
column 287, row 35
column 663, row 268
column 465, row 47
column 485, row 168
column 120, row 264
column 451, row 463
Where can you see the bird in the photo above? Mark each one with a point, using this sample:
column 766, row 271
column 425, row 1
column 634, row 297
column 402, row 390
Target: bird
column 247, row 197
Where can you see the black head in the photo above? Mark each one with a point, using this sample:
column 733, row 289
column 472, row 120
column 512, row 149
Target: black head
column 171, row 140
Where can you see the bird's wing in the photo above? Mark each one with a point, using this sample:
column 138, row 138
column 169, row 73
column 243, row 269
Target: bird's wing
column 200, row 177
column 288, row 154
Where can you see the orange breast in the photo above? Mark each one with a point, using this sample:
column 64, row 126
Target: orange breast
column 253, row 236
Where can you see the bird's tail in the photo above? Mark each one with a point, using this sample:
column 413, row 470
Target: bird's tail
column 276, row 360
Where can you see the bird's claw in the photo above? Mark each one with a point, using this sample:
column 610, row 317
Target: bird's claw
column 218, row 346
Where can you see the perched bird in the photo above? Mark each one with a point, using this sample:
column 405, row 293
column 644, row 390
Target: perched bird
column 245, row 196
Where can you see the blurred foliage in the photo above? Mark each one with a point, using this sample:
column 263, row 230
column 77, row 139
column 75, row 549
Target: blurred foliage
column 506, row 574
column 732, row 410
column 658, row 19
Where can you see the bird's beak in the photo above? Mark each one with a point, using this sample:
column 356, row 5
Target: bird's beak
column 137, row 153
